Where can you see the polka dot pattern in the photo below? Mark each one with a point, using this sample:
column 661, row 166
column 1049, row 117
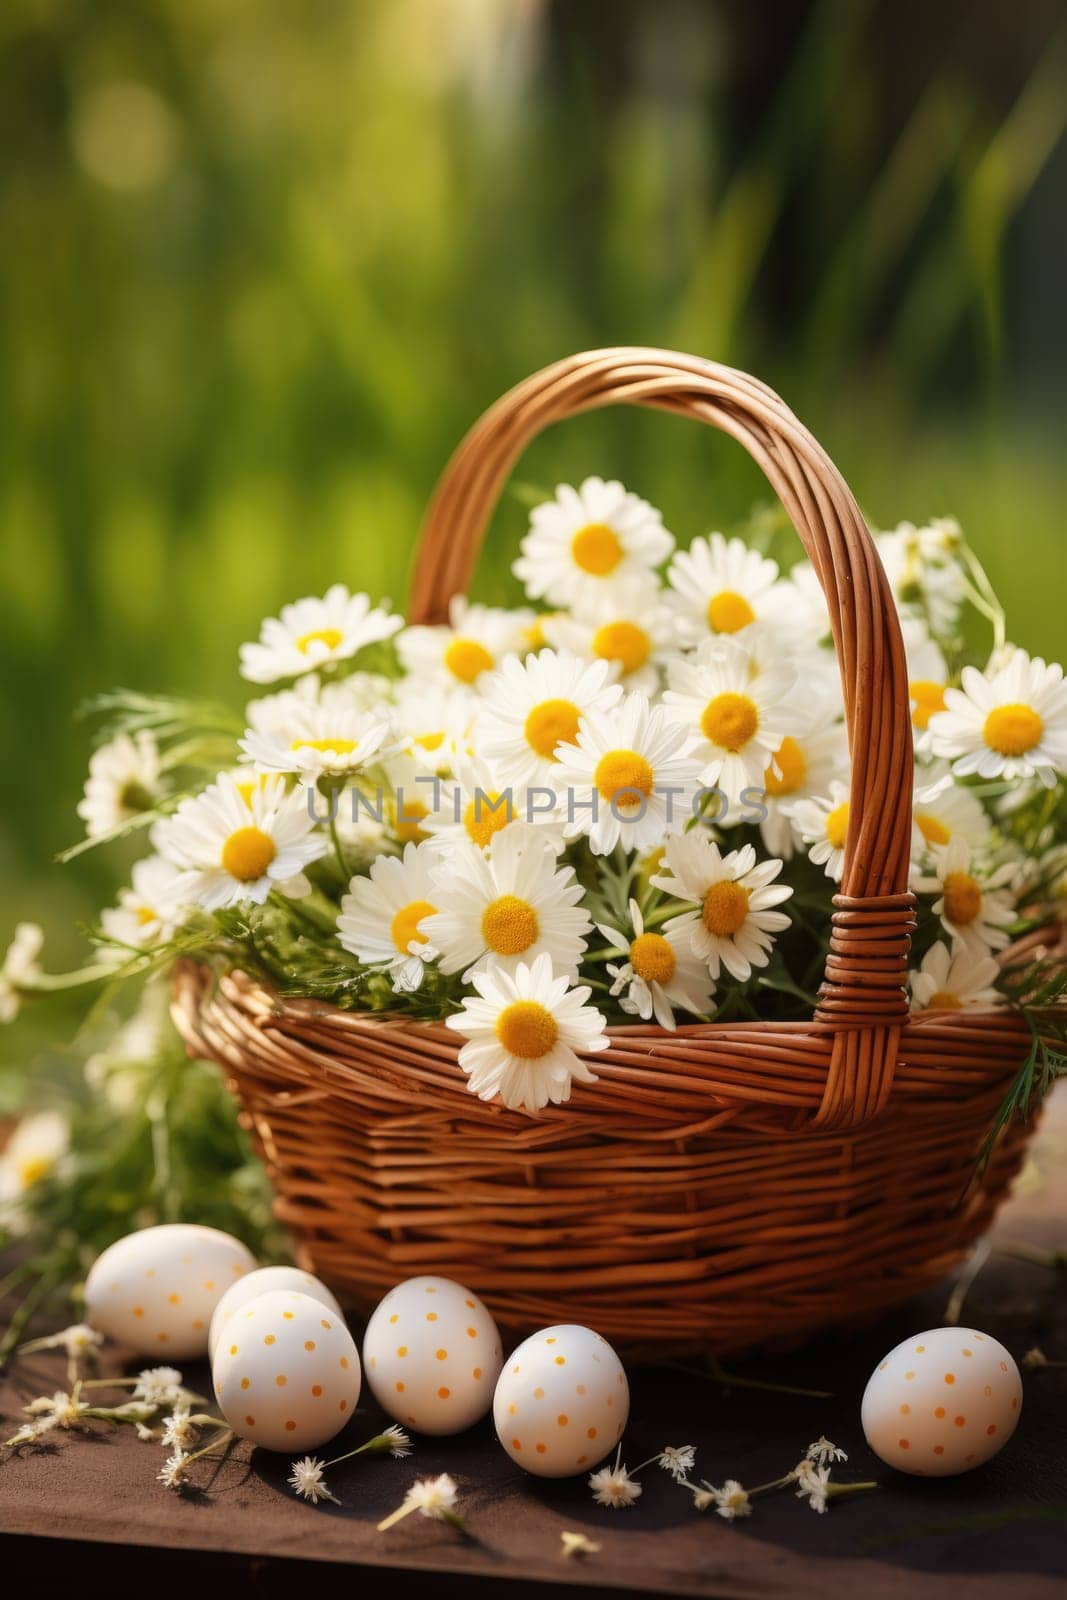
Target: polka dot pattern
column 942, row 1402
column 285, row 1376
column 156, row 1291
column 265, row 1280
column 562, row 1403
column 432, row 1353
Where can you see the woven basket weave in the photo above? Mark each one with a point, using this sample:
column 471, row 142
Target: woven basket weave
column 717, row 1187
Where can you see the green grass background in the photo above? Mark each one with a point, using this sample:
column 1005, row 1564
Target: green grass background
column 262, row 264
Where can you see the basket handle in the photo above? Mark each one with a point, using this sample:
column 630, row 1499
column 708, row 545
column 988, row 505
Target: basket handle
column 862, row 998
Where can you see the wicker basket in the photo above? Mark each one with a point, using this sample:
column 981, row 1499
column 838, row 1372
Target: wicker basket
column 719, row 1186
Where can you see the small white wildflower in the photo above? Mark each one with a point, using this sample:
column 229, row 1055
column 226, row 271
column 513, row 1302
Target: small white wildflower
column 307, row 1480
column 160, row 1386
column 730, row 1502
column 1035, row 1358
column 399, row 1442
column 576, row 1544
column 174, row 1469
column 613, row 1487
column 813, row 1484
column 19, row 969
column 179, row 1430
column 824, row 1451
column 75, row 1341
column 433, row 1496
column 677, row 1460
column 60, row 1410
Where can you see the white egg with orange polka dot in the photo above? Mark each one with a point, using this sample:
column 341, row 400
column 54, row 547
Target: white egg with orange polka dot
column 263, row 1281
column 432, row 1354
column 286, row 1372
column 157, row 1290
column 562, row 1402
column 942, row 1402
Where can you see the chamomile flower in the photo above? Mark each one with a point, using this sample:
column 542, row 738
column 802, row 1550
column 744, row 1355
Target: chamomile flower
column 659, row 972
column 159, row 1386
column 806, row 762
column 730, row 1502
column 381, row 916
column 526, row 1033
column 308, row 1481
column 474, row 642
column 232, row 852
column 923, row 572
column 435, row 722
column 33, row 1151
column 973, row 904
column 822, row 823
column 943, row 810
column 149, row 911
column 505, row 905
column 123, row 782
column 312, row 634
column 959, row 979
column 927, row 677
column 614, row 1487
column 19, row 969
column 734, row 710
column 478, row 806
column 734, row 920
column 588, row 540
column 175, row 1470
column 320, row 741
column 1010, row 724
column 628, row 777
column 274, row 713
column 721, row 586
column 533, row 706
column 628, row 627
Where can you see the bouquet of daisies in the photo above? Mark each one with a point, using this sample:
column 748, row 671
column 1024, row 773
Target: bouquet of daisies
column 625, row 801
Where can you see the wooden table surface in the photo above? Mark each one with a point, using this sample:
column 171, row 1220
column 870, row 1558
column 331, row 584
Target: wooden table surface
column 89, row 1503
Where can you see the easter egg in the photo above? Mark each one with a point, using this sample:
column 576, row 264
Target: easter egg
column 562, row 1401
column 286, row 1371
column 156, row 1290
column 263, row 1281
column 432, row 1354
column 942, row 1402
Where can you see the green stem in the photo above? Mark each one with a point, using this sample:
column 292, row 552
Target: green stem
column 17, row 1325
column 342, row 862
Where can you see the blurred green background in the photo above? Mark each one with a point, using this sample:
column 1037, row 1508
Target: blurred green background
column 263, row 262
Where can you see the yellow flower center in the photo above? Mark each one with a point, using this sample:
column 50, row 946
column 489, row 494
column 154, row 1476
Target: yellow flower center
column 625, row 777
column 527, row 1029
column 341, row 747
column 729, row 721
column 430, row 741
column 963, row 898
column 33, row 1168
column 929, row 697
column 596, row 549
column 931, row 828
column 652, row 958
column 485, row 815
column 404, row 928
column 330, row 637
column 729, row 612
column 1013, row 730
column 623, row 642
column 791, row 763
column 837, row 826
column 466, row 659
column 509, row 925
column 247, row 854
column 725, row 908
column 535, row 632
column 145, row 915
column 945, row 1000
column 407, row 824
column 551, row 723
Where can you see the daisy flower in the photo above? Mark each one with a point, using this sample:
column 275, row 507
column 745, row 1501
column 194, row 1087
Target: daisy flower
column 659, row 972
column 20, row 969
column 805, row 764
column 943, row 810
column 627, row 626
column 533, row 706
column 730, row 1502
column 233, row 852
column 587, row 540
column 628, row 777
column 824, row 1452
column 1011, row 724
column 954, row 980
column 474, row 642
column 123, row 782
column 307, row 1480
column 381, row 916
column 311, row 634
column 149, row 911
column 735, row 711
column 822, row 823
column 431, row 1497
column 179, row 1429
column 677, row 1460
column 477, row 807
column 614, row 1487
column 927, row 676
column 923, row 571
column 721, row 586
column 158, row 1386
column 175, row 1470
column 527, row 1032
column 734, row 896
column 37, row 1144
column 976, row 910
column 813, row 1484
column 320, row 741
column 506, row 905
column 434, row 720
